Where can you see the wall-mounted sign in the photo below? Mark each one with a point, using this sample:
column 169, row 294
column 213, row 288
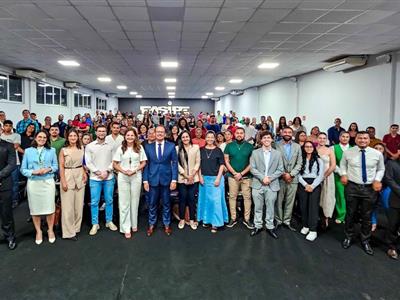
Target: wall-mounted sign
column 165, row 109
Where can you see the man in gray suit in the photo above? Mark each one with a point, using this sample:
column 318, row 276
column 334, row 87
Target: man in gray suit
column 267, row 166
column 292, row 161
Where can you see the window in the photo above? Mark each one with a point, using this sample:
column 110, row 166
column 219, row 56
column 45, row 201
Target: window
column 101, row 104
column 10, row 88
column 82, row 100
column 47, row 94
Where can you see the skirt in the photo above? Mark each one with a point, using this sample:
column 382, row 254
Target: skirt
column 211, row 207
column 41, row 196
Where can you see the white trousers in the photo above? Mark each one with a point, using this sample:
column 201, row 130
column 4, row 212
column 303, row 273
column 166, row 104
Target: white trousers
column 128, row 196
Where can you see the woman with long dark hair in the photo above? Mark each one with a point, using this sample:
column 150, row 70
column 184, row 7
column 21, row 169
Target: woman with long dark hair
column 300, row 137
column 281, row 124
column 73, row 180
column 297, row 126
column 310, row 177
column 143, row 132
column 183, row 125
column 129, row 160
column 174, row 135
column 353, row 129
column 39, row 165
column 211, row 208
column 188, row 168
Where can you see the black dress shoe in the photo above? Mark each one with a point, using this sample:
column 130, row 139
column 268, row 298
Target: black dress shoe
column 346, row 243
column 255, row 231
column 74, row 239
column 367, row 248
column 12, row 244
column 272, row 232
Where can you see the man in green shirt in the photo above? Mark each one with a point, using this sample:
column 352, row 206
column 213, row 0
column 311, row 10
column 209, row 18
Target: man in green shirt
column 56, row 141
column 237, row 160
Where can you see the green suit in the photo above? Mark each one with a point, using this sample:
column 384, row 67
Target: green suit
column 339, row 187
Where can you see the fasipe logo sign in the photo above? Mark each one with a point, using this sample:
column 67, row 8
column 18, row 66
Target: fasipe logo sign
column 165, row 109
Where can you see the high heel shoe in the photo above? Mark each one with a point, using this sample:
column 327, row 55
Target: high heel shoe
column 51, row 239
column 38, row 242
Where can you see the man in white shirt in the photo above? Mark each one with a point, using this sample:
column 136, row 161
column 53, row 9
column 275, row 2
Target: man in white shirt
column 98, row 157
column 362, row 169
column 14, row 138
column 115, row 139
column 249, row 131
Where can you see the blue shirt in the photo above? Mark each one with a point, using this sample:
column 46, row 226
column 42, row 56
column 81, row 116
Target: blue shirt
column 21, row 125
column 213, row 127
column 35, row 159
column 288, row 149
column 333, row 135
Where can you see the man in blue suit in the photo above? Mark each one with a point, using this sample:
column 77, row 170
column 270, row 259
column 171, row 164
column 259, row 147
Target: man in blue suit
column 159, row 177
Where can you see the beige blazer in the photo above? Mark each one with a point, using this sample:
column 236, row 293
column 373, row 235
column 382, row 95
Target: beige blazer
column 193, row 164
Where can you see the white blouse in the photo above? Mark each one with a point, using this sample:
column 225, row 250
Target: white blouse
column 130, row 160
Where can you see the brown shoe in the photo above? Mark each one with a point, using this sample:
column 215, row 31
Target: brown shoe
column 150, row 231
column 168, row 230
column 392, row 253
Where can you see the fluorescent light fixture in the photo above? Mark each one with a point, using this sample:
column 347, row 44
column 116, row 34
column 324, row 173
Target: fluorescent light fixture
column 42, row 84
column 50, row 94
column 139, row 96
column 204, row 97
column 104, row 79
column 171, row 88
column 219, row 88
column 75, row 92
column 209, row 94
column 170, row 80
column 235, row 80
column 268, row 65
column 86, row 95
column 17, row 94
column 169, row 64
column 69, row 63
column 3, row 77
column 122, row 87
column 171, row 93
column 133, row 93
column 171, row 97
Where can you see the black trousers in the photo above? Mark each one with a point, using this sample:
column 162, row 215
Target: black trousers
column 363, row 198
column 309, row 205
column 187, row 194
column 6, row 215
column 393, row 216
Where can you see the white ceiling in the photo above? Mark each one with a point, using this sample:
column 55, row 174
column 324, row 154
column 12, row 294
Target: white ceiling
column 213, row 40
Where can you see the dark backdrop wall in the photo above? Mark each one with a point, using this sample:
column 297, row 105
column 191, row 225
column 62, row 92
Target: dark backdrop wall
column 134, row 104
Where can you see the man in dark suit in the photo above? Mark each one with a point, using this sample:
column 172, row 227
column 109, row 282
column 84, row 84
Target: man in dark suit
column 159, row 177
column 7, row 165
column 392, row 180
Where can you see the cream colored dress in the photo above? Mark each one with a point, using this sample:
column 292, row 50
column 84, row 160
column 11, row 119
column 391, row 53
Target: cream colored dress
column 328, row 199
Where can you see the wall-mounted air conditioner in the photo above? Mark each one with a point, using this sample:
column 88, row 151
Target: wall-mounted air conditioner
column 71, row 84
column 345, row 63
column 31, row 74
column 236, row 92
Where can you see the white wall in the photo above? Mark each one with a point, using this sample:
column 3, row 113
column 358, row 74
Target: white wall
column 13, row 110
column 362, row 96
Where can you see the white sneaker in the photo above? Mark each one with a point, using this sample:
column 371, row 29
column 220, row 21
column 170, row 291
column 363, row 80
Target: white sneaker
column 311, row 236
column 304, row 230
column 111, row 226
column 181, row 224
column 94, row 229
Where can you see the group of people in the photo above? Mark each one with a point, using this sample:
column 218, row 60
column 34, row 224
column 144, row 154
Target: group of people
column 213, row 160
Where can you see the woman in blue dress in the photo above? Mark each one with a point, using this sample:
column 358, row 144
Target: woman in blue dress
column 211, row 208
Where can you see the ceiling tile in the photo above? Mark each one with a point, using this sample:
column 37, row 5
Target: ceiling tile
column 131, row 13
column 167, row 26
column 200, row 14
column 339, row 16
column 197, row 26
column 269, row 15
column 235, row 14
column 96, row 12
column 136, row 25
column 303, row 15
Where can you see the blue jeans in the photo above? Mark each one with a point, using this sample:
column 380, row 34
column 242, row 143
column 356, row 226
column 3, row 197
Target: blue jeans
column 15, row 187
column 95, row 191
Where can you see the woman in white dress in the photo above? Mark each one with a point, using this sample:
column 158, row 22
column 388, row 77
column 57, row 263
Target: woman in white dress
column 39, row 165
column 129, row 161
column 328, row 199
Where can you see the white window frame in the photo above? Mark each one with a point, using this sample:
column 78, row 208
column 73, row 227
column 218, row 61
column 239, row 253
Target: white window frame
column 8, row 89
column 46, row 85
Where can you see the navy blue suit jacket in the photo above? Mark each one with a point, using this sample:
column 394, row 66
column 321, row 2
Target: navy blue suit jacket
column 161, row 171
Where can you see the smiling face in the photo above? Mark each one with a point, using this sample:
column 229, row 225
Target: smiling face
column 72, row 138
column 160, row 134
column 322, row 139
column 41, row 139
column 210, row 139
column 308, row 147
column 185, row 138
column 130, row 136
column 362, row 140
column 266, row 140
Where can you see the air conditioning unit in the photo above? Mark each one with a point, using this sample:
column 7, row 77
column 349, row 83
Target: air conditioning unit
column 72, row 84
column 345, row 63
column 236, row 92
column 31, row 74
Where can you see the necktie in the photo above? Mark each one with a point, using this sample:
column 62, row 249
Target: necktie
column 363, row 166
column 159, row 151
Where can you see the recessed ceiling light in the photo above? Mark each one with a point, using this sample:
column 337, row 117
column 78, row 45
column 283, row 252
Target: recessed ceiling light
column 75, row 92
column 104, row 79
column 170, row 80
column 122, row 87
column 86, row 95
column 171, row 97
column 219, row 88
column 171, row 93
column 42, row 84
column 209, row 94
column 169, row 64
column 235, row 80
column 3, row 77
column 171, row 88
column 139, row 96
column 133, row 93
column 69, row 63
column 268, row 65
column 204, row 97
